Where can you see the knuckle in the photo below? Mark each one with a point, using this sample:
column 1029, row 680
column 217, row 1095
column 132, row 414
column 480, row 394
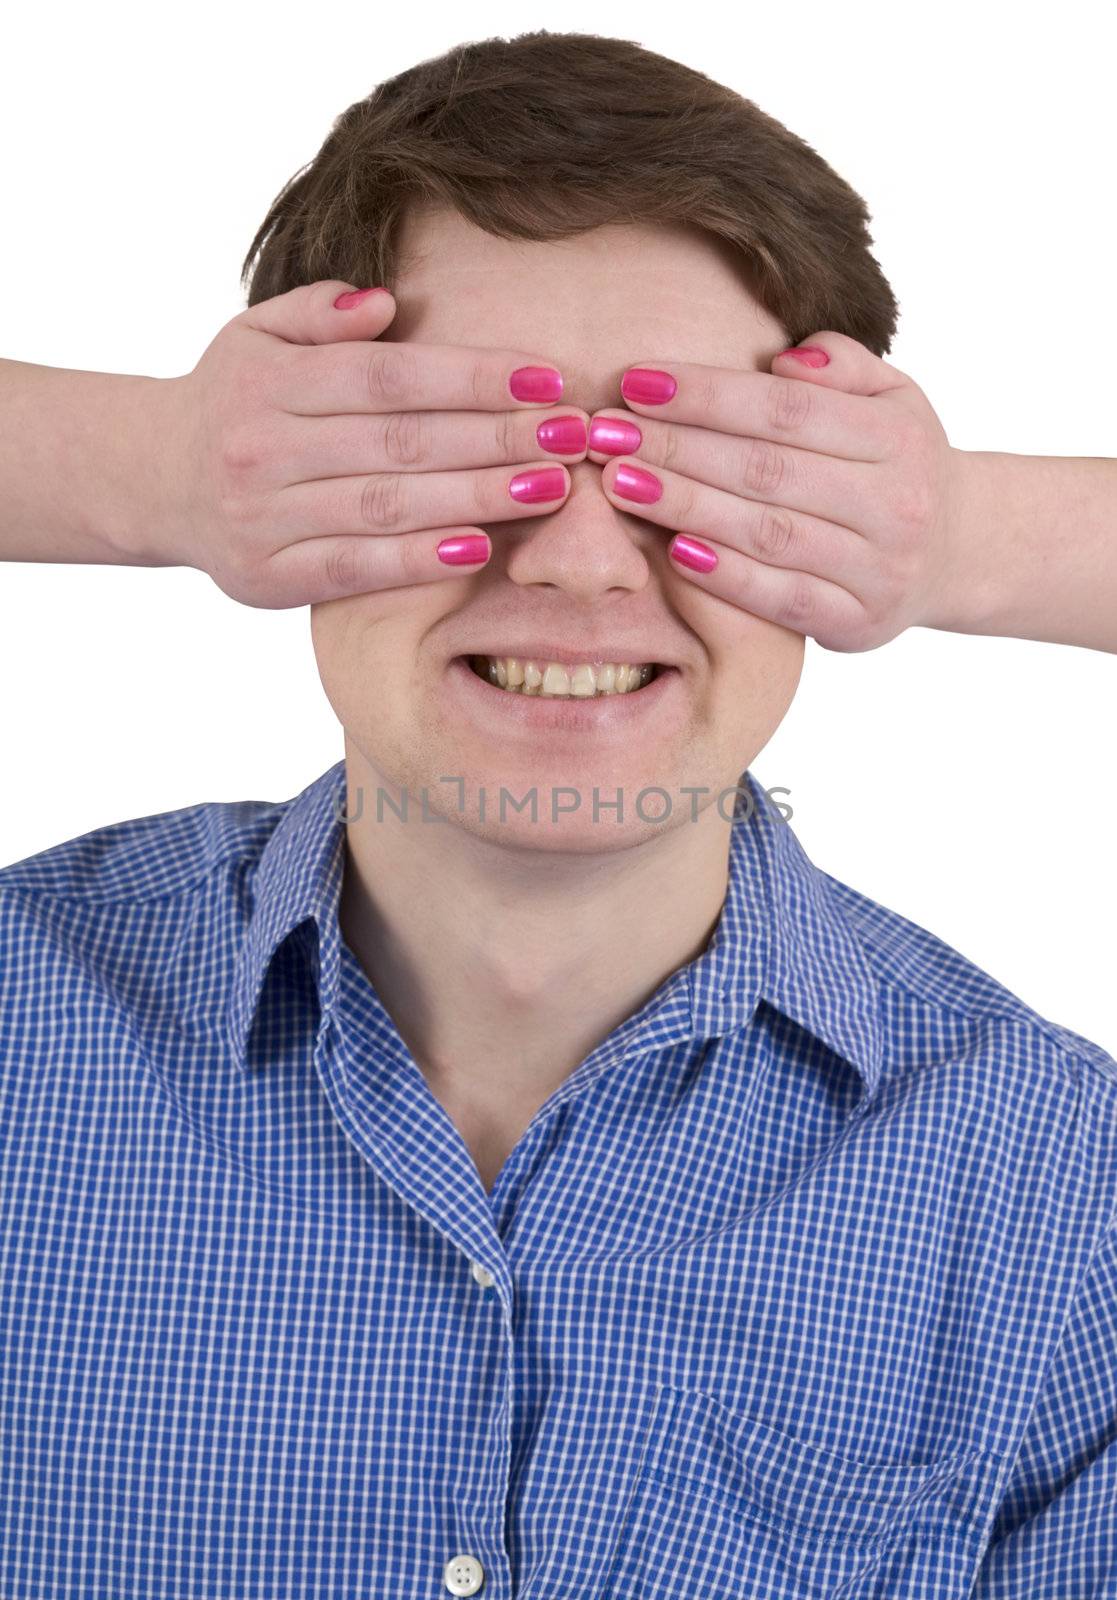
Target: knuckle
column 477, row 386
column 341, row 567
column 410, row 561
column 505, row 429
column 239, row 511
column 391, row 375
column 790, row 404
column 239, row 452
column 685, row 504
column 405, row 438
column 902, row 576
column 383, row 500
column 774, row 537
column 480, row 496
column 236, row 576
column 670, row 448
column 799, row 607
column 913, row 504
column 763, row 468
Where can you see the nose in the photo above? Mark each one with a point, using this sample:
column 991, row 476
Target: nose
column 586, row 548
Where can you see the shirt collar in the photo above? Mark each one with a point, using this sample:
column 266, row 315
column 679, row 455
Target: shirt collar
column 782, row 936
column 298, row 879
column 816, row 969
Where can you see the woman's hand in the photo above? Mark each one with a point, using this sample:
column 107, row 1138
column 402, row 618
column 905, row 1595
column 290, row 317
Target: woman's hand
column 301, row 460
column 824, row 497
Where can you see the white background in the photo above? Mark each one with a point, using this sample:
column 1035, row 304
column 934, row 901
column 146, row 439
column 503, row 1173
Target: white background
column 966, row 782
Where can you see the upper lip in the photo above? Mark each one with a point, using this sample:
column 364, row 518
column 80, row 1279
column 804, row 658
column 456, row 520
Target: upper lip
column 571, row 656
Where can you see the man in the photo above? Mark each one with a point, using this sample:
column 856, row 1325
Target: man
column 545, row 1180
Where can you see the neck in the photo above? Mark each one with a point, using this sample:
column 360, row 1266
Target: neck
column 503, row 967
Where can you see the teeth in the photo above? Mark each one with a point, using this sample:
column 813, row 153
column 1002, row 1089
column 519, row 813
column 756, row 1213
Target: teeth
column 552, row 679
column 556, row 679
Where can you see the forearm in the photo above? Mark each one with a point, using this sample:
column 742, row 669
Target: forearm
column 1035, row 550
column 76, row 465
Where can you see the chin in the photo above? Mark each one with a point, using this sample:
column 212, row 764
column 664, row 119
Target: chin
column 568, row 834
column 571, row 794
column 546, row 804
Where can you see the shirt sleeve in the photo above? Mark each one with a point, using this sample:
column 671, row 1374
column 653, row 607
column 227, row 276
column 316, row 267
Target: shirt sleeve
column 1055, row 1534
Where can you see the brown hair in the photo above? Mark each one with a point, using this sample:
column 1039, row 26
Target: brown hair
column 545, row 135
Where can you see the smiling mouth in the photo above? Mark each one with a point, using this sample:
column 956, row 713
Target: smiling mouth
column 558, row 681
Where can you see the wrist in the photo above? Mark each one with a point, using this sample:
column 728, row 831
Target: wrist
column 968, row 586
column 143, row 493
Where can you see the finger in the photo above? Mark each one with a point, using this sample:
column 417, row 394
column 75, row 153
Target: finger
column 305, row 449
column 386, row 376
column 329, row 568
column 757, row 470
column 761, row 405
column 402, row 502
column 801, row 601
column 768, row 532
column 835, row 361
column 310, row 314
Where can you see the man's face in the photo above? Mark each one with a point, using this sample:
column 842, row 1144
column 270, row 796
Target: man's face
column 588, row 576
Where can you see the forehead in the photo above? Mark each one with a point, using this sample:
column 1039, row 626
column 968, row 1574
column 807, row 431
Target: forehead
column 592, row 304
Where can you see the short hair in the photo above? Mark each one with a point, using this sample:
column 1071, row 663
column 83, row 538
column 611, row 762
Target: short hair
column 546, row 135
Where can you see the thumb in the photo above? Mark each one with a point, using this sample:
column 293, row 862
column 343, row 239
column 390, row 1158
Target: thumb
column 310, row 313
column 835, row 361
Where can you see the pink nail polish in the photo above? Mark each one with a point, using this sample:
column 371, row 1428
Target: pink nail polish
column 613, row 437
column 648, row 386
column 633, row 483
column 562, row 436
column 809, row 354
column 536, row 383
column 464, row 550
column 692, row 553
column 354, row 297
column 544, row 483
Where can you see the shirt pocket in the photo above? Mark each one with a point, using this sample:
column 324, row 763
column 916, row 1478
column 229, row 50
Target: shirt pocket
column 725, row 1505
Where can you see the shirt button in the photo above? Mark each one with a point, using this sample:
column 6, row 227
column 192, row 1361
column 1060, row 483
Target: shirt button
column 486, row 1280
column 464, row 1575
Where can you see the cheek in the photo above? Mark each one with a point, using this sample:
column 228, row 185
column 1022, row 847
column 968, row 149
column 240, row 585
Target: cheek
column 361, row 644
column 740, row 648
column 332, row 624
column 764, row 655
column 755, row 667
column 378, row 664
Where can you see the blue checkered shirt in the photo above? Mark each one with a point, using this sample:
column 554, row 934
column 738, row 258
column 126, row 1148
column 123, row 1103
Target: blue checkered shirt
column 803, row 1284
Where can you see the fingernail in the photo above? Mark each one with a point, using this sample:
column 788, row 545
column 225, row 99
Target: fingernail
column 648, row 386
column 353, row 297
column 633, row 483
column 562, row 436
column 809, row 354
column 536, row 383
column 547, row 483
column 464, row 550
column 692, row 553
column 613, row 437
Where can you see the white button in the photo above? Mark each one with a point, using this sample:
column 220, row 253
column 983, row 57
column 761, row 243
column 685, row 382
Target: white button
column 464, row 1575
column 486, row 1280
